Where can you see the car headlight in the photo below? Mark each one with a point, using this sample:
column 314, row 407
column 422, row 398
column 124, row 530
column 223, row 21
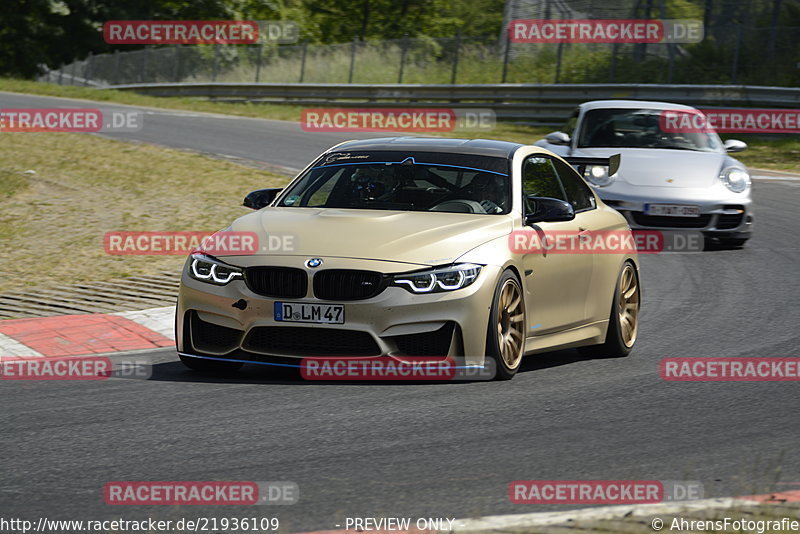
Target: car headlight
column 438, row 280
column 736, row 179
column 597, row 175
column 207, row 269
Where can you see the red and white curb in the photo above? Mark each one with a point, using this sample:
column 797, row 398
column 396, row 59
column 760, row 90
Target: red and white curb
column 75, row 335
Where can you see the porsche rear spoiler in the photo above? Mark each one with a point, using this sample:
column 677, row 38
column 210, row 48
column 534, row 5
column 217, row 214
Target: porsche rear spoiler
column 612, row 162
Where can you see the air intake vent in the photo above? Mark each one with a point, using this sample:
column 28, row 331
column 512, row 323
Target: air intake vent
column 278, row 282
column 345, row 284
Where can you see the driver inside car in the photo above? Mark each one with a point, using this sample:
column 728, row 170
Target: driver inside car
column 489, row 192
column 374, row 183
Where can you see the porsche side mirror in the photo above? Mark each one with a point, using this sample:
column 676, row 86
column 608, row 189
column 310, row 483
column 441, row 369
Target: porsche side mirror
column 734, row 145
column 260, row 198
column 547, row 209
column 557, row 138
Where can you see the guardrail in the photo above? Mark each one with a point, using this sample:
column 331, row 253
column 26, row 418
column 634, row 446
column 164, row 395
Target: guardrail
column 535, row 104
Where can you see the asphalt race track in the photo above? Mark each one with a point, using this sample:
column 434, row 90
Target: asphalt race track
column 431, row 450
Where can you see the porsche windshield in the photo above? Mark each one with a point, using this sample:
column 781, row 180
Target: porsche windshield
column 639, row 128
column 455, row 183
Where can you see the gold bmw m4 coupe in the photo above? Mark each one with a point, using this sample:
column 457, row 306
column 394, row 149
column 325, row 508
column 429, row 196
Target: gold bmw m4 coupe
column 415, row 247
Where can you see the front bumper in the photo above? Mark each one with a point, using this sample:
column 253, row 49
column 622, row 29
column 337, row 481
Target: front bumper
column 717, row 219
column 393, row 323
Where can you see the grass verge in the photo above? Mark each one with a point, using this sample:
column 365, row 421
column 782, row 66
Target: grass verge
column 60, row 193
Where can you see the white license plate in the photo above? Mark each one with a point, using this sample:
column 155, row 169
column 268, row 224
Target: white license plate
column 299, row 312
column 672, row 210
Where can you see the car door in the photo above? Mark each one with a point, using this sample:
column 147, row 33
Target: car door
column 590, row 221
column 556, row 281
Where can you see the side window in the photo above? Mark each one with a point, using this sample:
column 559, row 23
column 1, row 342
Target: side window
column 578, row 193
column 539, row 178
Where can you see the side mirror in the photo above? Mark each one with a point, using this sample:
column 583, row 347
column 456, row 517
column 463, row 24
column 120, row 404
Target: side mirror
column 734, row 145
column 260, row 198
column 547, row 209
column 557, row 138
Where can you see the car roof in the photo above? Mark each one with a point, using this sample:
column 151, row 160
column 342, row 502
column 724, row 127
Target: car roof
column 480, row 147
column 632, row 104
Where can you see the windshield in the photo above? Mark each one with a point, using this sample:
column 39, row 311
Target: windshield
column 455, row 183
column 639, row 128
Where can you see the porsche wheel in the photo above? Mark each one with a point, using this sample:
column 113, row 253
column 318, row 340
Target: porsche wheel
column 505, row 338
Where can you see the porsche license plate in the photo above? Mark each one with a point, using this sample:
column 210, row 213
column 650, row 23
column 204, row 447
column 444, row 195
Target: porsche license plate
column 672, row 210
column 299, row 312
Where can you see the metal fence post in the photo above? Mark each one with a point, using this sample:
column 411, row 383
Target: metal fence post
column 87, row 69
column 303, row 60
column 612, row 69
column 735, row 65
column 559, row 52
column 61, row 75
column 403, row 52
column 176, row 75
column 455, row 58
column 116, row 67
column 506, row 56
column 214, row 63
column 258, row 61
column 145, row 63
column 352, row 58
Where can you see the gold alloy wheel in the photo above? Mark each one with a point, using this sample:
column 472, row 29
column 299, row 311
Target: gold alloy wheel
column 510, row 324
column 628, row 306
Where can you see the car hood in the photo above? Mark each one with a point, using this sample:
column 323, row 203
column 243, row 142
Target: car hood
column 423, row 238
column 659, row 167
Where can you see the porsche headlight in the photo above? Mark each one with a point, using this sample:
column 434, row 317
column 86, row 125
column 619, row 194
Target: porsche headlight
column 736, row 179
column 597, row 175
column 207, row 269
column 438, row 280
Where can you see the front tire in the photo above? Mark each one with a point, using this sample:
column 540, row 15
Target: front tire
column 505, row 336
column 203, row 365
column 623, row 323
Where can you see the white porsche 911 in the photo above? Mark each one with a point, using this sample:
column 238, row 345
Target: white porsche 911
column 668, row 179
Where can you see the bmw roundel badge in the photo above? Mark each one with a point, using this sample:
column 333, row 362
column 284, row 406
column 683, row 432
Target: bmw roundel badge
column 313, row 263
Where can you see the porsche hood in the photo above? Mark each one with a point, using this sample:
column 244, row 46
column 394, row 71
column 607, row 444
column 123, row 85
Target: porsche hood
column 414, row 237
column 656, row 167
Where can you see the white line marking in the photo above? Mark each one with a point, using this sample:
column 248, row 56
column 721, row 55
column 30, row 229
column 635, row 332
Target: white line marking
column 11, row 347
column 779, row 178
column 504, row 522
column 160, row 320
